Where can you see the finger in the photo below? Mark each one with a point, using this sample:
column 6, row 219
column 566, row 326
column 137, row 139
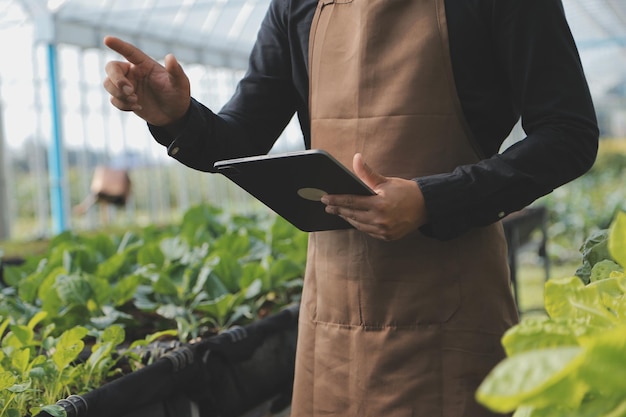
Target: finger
column 119, row 88
column 119, row 96
column 372, row 230
column 347, row 202
column 116, row 83
column 129, row 51
column 361, row 216
column 370, row 177
column 124, row 105
column 175, row 70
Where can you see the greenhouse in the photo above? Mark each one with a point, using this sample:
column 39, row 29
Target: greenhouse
column 165, row 273
column 54, row 109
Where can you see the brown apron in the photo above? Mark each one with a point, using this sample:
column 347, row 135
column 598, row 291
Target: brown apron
column 410, row 327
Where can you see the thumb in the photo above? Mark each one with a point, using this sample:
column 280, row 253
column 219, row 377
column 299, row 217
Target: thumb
column 175, row 70
column 370, row 177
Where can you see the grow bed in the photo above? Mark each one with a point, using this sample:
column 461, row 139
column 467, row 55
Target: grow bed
column 232, row 374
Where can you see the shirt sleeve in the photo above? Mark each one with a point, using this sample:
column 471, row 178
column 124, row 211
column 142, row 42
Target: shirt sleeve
column 547, row 87
column 251, row 121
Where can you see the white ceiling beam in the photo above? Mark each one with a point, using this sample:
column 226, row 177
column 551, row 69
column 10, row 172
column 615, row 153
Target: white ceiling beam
column 205, row 53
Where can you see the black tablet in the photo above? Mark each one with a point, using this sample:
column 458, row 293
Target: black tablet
column 293, row 183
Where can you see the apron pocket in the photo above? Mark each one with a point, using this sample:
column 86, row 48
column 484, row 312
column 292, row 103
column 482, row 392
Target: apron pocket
column 389, row 303
column 408, row 282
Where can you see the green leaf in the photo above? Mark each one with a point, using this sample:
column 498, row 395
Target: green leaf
column 114, row 334
column 173, row 248
column 99, row 353
column 13, row 275
column 73, row 289
column 602, row 270
column 109, row 317
column 236, row 245
column 195, row 255
column 24, row 334
column 602, row 406
column 568, row 297
column 213, row 285
column 285, row 270
column 18, row 388
column 252, row 272
column 151, row 254
column 595, row 249
column 74, row 315
column 593, row 406
column 50, row 300
column 20, row 359
column 79, row 258
column 31, row 287
column 64, row 237
column 201, row 279
column 151, row 338
column 165, row 333
column 617, row 239
column 201, row 223
column 254, row 289
column 5, row 324
column 524, row 411
column 222, row 308
column 68, row 347
column 288, row 241
column 541, row 332
column 38, row 373
column 7, row 379
column 103, row 245
column 101, row 289
column 228, row 270
column 170, row 311
column 54, row 410
column 609, row 286
column 240, row 312
column 126, row 241
column 604, row 366
column 124, row 289
column 111, row 267
column 164, row 285
column 538, row 378
column 36, row 319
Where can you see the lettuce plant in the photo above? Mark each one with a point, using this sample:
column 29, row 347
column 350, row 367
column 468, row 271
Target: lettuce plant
column 572, row 362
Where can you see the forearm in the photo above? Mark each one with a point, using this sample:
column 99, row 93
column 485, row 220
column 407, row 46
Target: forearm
column 483, row 193
column 204, row 137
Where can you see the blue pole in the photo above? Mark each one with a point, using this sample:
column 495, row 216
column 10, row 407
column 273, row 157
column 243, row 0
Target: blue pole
column 55, row 162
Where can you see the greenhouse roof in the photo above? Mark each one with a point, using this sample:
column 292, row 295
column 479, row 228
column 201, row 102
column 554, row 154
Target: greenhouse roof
column 215, row 32
column 221, row 32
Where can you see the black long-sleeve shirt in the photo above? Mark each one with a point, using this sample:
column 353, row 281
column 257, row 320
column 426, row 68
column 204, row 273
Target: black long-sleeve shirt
column 511, row 59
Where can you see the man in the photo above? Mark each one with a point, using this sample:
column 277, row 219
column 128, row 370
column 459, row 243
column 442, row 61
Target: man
column 402, row 315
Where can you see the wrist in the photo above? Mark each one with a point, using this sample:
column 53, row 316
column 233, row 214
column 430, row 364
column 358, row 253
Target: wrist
column 178, row 125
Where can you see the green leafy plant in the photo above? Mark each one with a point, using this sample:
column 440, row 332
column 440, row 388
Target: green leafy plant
column 570, row 363
column 72, row 318
column 37, row 369
column 200, row 276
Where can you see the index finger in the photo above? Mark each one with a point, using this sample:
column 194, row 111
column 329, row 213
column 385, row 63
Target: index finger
column 349, row 201
column 129, row 51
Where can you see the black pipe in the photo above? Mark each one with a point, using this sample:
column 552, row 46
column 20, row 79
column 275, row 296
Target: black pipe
column 226, row 374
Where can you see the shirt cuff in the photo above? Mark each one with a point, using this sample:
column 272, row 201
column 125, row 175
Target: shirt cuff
column 181, row 141
column 456, row 205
